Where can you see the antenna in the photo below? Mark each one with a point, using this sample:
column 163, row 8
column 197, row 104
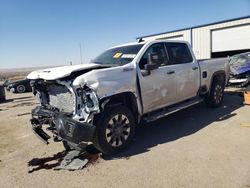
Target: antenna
column 81, row 52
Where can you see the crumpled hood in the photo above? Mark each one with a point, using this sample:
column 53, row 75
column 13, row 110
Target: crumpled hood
column 59, row 72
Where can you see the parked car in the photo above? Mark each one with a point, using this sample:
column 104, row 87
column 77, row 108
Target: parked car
column 240, row 70
column 2, row 93
column 102, row 102
column 19, row 86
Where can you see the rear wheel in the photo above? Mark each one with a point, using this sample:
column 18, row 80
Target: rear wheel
column 20, row 89
column 114, row 130
column 215, row 97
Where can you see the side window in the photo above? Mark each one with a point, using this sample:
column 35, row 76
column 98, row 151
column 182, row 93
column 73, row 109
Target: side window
column 157, row 48
column 178, row 53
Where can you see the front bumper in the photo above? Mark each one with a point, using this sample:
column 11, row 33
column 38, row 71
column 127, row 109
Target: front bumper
column 61, row 125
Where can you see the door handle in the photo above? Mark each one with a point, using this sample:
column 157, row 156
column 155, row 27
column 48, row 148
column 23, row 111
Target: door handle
column 170, row 72
column 194, row 68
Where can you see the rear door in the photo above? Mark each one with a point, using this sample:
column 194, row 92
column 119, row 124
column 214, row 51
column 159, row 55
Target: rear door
column 187, row 71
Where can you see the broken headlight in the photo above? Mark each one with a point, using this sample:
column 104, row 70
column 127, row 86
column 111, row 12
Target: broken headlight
column 89, row 99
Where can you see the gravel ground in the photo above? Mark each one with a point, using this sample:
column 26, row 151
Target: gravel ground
column 196, row 147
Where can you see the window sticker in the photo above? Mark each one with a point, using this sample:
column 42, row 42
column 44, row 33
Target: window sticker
column 117, row 55
column 129, row 56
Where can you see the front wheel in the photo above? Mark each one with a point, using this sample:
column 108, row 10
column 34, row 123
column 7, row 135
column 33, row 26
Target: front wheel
column 215, row 97
column 20, row 89
column 114, row 130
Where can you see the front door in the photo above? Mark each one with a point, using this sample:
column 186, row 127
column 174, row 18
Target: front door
column 158, row 89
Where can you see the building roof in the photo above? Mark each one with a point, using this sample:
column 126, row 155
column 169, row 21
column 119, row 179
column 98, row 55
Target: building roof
column 213, row 23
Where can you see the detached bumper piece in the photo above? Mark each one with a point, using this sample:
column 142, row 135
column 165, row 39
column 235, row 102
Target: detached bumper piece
column 43, row 136
column 61, row 125
column 73, row 131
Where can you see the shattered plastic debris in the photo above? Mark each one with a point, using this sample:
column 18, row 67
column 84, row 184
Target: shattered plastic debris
column 72, row 161
column 65, row 160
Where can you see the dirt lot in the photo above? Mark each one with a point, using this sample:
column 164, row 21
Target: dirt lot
column 197, row 147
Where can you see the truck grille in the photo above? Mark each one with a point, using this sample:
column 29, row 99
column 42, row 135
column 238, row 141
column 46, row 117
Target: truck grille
column 61, row 98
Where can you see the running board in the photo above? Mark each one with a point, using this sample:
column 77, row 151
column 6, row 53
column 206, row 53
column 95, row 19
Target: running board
column 169, row 110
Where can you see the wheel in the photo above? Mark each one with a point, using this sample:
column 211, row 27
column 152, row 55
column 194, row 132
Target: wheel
column 215, row 97
column 20, row 89
column 115, row 129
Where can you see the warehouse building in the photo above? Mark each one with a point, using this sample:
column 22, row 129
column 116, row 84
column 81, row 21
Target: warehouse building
column 219, row 39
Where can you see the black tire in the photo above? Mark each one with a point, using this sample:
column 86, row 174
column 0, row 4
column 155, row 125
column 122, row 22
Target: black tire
column 115, row 129
column 215, row 98
column 20, row 89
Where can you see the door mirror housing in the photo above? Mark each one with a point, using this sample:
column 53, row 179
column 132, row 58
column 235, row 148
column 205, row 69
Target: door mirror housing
column 150, row 67
column 153, row 60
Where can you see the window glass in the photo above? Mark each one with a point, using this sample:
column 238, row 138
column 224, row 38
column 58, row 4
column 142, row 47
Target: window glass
column 178, row 53
column 158, row 49
column 118, row 56
column 239, row 59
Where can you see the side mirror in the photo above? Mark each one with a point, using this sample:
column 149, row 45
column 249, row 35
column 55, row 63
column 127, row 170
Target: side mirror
column 153, row 60
column 150, row 67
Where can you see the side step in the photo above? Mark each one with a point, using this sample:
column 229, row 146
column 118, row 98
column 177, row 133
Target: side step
column 169, row 110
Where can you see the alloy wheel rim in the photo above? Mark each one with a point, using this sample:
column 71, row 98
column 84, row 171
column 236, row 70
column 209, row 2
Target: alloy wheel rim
column 20, row 89
column 218, row 94
column 118, row 130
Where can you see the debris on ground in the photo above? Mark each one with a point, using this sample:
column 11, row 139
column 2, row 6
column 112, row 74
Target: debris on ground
column 65, row 160
column 245, row 125
column 71, row 161
column 23, row 114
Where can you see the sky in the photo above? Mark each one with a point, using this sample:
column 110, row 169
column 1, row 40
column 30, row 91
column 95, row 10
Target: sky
column 50, row 32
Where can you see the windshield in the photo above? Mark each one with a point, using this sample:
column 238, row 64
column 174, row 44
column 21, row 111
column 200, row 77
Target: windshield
column 239, row 59
column 118, row 56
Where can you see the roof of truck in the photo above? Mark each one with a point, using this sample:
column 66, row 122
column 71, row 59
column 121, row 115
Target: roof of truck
column 147, row 41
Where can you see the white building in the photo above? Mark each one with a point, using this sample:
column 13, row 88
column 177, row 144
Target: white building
column 218, row 39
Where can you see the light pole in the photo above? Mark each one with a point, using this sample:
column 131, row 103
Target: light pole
column 81, row 52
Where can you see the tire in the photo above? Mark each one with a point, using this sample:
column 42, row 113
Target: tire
column 115, row 129
column 20, row 89
column 215, row 98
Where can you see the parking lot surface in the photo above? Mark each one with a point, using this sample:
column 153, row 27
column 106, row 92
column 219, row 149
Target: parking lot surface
column 196, row 147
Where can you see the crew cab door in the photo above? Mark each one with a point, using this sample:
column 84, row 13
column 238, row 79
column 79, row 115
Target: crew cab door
column 187, row 70
column 158, row 88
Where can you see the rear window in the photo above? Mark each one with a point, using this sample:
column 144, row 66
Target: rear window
column 178, row 53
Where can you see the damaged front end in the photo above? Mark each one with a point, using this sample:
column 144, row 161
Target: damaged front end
column 68, row 111
column 240, row 70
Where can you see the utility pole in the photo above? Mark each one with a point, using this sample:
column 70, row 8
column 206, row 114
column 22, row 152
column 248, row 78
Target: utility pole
column 81, row 52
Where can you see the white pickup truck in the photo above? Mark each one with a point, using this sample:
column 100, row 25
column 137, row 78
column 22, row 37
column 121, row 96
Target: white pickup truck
column 103, row 101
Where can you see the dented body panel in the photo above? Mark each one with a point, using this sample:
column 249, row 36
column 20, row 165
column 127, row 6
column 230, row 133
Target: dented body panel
column 59, row 72
column 90, row 87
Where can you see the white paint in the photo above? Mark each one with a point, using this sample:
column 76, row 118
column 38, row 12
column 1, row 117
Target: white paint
column 234, row 38
column 131, row 56
column 59, row 72
column 176, row 38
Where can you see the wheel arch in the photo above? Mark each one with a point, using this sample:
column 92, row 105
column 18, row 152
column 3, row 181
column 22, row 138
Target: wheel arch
column 127, row 99
column 218, row 75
